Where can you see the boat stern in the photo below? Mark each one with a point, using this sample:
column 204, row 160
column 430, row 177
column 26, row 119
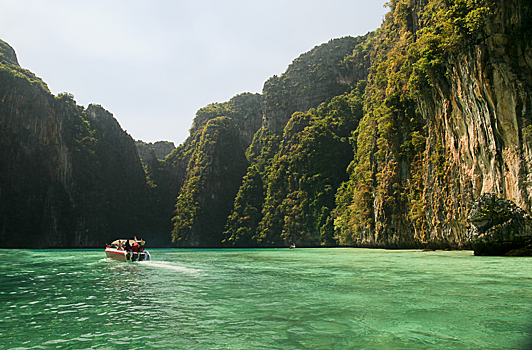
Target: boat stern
column 115, row 254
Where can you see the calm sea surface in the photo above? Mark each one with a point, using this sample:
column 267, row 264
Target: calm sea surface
column 265, row 299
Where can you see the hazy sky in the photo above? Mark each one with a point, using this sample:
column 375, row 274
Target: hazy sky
column 154, row 63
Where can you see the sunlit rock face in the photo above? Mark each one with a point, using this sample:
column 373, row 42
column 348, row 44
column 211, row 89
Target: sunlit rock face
column 431, row 137
column 244, row 109
column 441, row 129
column 479, row 119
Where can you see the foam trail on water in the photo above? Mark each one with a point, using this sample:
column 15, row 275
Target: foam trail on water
column 169, row 266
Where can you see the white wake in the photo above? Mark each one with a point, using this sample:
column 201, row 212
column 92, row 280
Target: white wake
column 169, row 266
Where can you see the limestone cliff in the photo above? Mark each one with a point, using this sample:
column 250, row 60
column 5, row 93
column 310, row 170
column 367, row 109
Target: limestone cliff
column 315, row 77
column 383, row 140
column 160, row 149
column 70, row 176
column 123, row 181
column 326, row 71
column 244, row 109
column 481, row 115
column 7, row 54
column 448, row 122
column 214, row 173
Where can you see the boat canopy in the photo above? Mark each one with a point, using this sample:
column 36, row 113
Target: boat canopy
column 119, row 242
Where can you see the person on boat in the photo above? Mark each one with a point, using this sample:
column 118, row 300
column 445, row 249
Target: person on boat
column 135, row 247
column 128, row 246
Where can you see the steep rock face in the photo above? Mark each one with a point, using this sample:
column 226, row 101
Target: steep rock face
column 448, row 114
column 214, row 173
column 326, row 71
column 36, row 175
column 305, row 176
column 287, row 195
column 478, row 119
column 70, row 177
column 241, row 229
column 443, row 95
column 124, row 184
column 244, row 109
column 315, row 77
column 7, row 54
column 204, row 173
column 165, row 181
column 160, row 148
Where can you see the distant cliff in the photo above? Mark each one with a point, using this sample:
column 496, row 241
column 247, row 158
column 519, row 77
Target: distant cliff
column 328, row 70
column 214, row 172
column 244, row 110
column 160, row 149
column 314, row 78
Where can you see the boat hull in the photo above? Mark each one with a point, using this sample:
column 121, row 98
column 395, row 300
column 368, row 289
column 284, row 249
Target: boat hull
column 122, row 255
column 115, row 254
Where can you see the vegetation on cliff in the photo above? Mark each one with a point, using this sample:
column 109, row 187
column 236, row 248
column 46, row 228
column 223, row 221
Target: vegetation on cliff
column 290, row 197
column 328, row 70
column 71, row 177
column 159, row 149
column 404, row 187
column 244, row 109
column 12, row 71
column 408, row 186
column 214, row 172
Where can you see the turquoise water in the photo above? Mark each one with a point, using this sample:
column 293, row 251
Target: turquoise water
column 265, row 299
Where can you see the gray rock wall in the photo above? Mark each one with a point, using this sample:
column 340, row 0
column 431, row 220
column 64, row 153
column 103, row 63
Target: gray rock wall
column 480, row 115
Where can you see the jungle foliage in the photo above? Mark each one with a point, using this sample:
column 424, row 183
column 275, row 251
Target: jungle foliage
column 411, row 54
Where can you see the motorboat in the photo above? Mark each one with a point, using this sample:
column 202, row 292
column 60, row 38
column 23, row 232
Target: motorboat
column 127, row 250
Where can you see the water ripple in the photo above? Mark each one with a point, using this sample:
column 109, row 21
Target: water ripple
column 267, row 299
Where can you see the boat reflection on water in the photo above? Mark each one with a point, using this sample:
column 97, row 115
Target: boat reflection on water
column 127, row 250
